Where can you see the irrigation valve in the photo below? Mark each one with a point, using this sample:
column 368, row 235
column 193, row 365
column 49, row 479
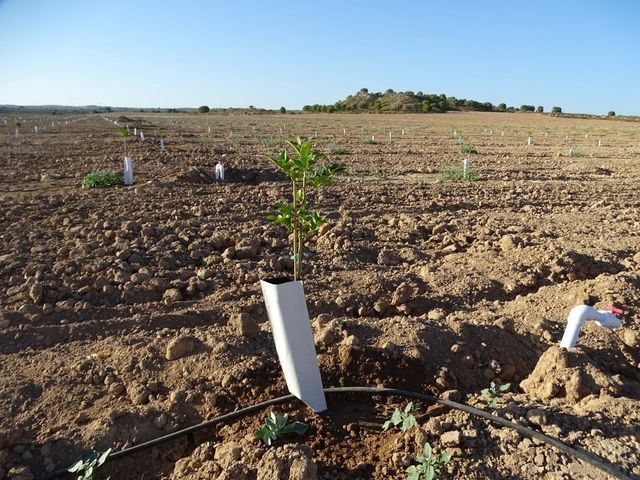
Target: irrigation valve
column 583, row 313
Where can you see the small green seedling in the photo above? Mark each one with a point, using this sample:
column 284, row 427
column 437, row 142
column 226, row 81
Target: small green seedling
column 124, row 134
column 102, row 179
column 86, row 467
column 307, row 176
column 404, row 419
column 370, row 141
column 276, row 425
column 429, row 466
column 491, row 395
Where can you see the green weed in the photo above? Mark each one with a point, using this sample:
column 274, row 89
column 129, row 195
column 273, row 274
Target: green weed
column 277, row 425
column 102, row 179
column 429, row 465
column 87, row 466
column 404, row 419
column 491, row 395
column 458, row 174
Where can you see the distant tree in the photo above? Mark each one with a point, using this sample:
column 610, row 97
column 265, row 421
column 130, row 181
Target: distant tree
column 306, row 108
column 501, row 107
column 488, row 106
column 471, row 105
column 251, row 107
column 377, row 105
column 203, row 109
column 540, row 109
column 611, row 113
column 283, row 110
column 511, row 109
column 389, row 90
column 364, row 90
column 556, row 110
column 527, row 108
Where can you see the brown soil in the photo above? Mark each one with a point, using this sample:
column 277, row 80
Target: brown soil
column 128, row 313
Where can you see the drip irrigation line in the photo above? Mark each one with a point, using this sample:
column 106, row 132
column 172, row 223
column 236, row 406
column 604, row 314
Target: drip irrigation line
column 578, row 453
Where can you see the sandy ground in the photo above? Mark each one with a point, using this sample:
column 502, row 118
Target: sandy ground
column 127, row 313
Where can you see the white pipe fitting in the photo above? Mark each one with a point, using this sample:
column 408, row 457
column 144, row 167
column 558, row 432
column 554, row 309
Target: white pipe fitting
column 579, row 315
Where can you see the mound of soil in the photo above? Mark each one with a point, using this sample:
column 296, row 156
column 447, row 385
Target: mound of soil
column 569, row 375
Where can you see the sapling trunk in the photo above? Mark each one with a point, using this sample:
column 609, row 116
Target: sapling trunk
column 296, row 228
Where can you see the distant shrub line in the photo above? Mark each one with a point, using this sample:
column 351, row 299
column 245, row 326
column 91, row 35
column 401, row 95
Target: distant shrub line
column 410, row 102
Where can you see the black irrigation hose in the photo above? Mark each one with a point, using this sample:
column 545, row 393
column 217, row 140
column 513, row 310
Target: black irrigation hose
column 583, row 455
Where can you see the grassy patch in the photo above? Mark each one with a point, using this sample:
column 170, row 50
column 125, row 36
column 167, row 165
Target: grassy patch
column 457, row 174
column 467, row 149
column 370, row 141
column 577, row 153
column 338, row 151
column 102, row 179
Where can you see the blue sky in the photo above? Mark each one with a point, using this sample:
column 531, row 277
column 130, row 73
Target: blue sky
column 581, row 55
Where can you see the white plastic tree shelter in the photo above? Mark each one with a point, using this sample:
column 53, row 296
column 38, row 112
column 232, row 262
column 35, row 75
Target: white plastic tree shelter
column 161, row 144
column 219, row 171
column 465, row 168
column 289, row 318
column 128, row 171
column 141, row 135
